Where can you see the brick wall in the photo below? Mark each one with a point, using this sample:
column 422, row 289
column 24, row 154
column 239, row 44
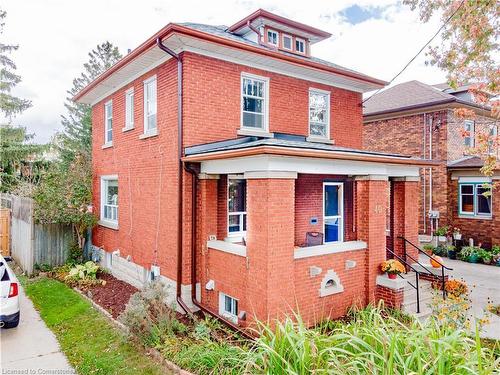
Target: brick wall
column 391, row 297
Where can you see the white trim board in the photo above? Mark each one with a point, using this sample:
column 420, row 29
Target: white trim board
column 329, row 248
column 228, row 247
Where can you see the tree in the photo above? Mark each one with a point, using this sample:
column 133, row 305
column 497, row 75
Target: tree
column 16, row 149
column 469, row 55
column 76, row 137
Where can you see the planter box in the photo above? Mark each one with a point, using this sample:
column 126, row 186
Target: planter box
column 452, row 254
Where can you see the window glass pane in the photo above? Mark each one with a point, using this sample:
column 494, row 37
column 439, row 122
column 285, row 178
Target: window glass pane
column 227, row 304
column 332, row 230
column 253, row 105
column 467, row 203
column 112, row 192
column 299, row 45
column 235, row 307
column 253, row 87
column 234, row 223
column 237, row 195
column 272, row 37
column 331, row 200
column 129, row 109
column 483, row 199
column 467, row 189
column 287, row 42
column 151, row 121
column 253, row 120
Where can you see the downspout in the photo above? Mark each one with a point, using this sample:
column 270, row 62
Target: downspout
column 194, row 191
column 424, row 175
column 180, row 192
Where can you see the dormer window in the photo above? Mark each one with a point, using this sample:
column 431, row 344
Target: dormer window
column 300, row 45
column 287, row 42
column 273, row 37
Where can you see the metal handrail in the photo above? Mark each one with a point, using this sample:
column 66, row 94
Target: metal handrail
column 427, row 255
column 416, row 287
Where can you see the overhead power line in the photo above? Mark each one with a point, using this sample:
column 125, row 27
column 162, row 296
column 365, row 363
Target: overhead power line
column 420, row 50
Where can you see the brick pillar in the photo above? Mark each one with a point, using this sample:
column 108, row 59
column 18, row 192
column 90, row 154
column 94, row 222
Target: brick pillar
column 270, row 245
column 406, row 203
column 371, row 197
column 390, row 291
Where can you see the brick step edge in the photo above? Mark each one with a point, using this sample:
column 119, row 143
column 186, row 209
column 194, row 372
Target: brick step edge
column 155, row 354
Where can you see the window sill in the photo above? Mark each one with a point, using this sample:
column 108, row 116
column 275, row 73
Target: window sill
column 127, row 129
column 107, row 145
column 149, row 134
column 329, row 248
column 228, row 247
column 320, row 140
column 255, row 132
column 108, row 224
column 473, row 217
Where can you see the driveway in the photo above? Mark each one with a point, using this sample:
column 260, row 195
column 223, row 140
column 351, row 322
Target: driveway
column 31, row 346
column 484, row 283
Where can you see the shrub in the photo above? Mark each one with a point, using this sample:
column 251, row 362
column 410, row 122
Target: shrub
column 440, row 250
column 455, row 287
column 442, row 231
column 485, row 256
column 495, row 250
column 86, row 271
column 468, row 251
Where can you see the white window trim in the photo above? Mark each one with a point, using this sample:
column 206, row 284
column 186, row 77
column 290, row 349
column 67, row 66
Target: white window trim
column 265, row 128
column 323, row 92
column 149, row 132
column 113, row 224
column 341, row 211
column 129, row 121
column 295, row 46
column 108, row 143
column 235, row 236
column 283, row 36
column 222, row 308
column 472, row 132
column 277, row 37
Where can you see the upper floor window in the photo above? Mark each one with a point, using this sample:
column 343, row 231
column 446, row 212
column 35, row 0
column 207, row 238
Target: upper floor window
column 475, row 199
column 254, row 102
column 129, row 109
column 237, row 207
column 319, row 113
column 300, row 45
column 287, row 41
column 273, row 37
column 108, row 122
column 150, row 121
column 470, row 132
column 109, row 199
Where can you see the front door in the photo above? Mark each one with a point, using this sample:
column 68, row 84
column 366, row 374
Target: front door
column 333, row 209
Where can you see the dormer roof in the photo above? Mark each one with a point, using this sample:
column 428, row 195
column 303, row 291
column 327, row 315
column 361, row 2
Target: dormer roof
column 263, row 17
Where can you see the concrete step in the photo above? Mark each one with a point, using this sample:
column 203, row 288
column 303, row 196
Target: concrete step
column 409, row 304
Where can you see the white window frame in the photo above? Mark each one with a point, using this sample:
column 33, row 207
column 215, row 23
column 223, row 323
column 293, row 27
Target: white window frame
column 230, row 315
column 236, row 236
column 475, row 187
column 152, row 131
column 104, row 187
column 277, row 37
column 303, row 42
column 108, row 116
column 265, row 112
column 129, row 109
column 313, row 90
column 283, row 36
column 341, row 211
column 472, row 133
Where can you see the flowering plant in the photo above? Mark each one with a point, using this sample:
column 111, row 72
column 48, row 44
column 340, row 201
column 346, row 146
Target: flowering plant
column 392, row 266
column 456, row 230
column 455, row 287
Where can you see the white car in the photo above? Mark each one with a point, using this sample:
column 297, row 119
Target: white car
column 9, row 296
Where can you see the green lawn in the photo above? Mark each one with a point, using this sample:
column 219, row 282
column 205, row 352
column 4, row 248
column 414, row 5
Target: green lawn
column 91, row 343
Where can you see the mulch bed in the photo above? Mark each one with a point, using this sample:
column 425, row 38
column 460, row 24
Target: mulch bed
column 112, row 296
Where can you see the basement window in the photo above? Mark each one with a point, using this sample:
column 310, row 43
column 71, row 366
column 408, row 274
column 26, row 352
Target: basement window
column 228, row 307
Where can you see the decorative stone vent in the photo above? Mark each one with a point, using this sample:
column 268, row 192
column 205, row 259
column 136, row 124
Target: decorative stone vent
column 330, row 284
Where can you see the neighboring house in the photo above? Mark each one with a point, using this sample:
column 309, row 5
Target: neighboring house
column 217, row 150
column 416, row 119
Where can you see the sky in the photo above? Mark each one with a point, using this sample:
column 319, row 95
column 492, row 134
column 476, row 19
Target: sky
column 375, row 37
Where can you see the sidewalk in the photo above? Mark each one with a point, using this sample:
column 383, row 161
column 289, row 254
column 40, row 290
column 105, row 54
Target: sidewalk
column 31, row 346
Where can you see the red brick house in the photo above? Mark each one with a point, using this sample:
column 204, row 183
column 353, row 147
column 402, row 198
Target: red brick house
column 228, row 162
column 419, row 120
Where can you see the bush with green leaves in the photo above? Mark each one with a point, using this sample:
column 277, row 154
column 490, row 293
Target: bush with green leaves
column 85, row 271
column 468, row 251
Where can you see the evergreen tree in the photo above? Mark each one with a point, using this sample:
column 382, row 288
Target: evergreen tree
column 77, row 134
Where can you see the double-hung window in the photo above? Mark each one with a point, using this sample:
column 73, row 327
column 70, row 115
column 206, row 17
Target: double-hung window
column 109, row 199
column 469, row 133
column 475, row 199
column 273, row 37
column 300, row 45
column 319, row 113
column 129, row 109
column 108, row 123
column 254, row 98
column 150, row 120
column 333, row 211
column 287, row 42
column 236, row 207
column 228, row 307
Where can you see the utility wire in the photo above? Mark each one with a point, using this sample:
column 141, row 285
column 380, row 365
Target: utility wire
column 419, row 52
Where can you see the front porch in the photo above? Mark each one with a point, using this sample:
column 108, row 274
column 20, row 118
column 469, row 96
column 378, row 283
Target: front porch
column 278, row 234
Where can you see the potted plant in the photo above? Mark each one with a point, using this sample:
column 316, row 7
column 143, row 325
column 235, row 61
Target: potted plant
column 440, row 250
column 485, row 256
column 392, row 267
column 457, row 234
column 441, row 233
column 451, row 251
column 455, row 287
column 429, row 249
column 469, row 254
column 495, row 252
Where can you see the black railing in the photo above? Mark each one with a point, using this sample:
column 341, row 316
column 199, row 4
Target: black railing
column 416, row 287
column 443, row 267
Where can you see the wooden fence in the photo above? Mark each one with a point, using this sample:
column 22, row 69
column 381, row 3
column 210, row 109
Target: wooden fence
column 32, row 243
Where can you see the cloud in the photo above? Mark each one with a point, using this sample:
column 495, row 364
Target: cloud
column 56, row 35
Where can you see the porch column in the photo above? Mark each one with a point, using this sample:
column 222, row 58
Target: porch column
column 406, row 211
column 270, row 243
column 371, row 197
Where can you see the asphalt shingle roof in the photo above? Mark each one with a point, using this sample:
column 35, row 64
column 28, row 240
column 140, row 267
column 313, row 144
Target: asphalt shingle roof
column 467, row 162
